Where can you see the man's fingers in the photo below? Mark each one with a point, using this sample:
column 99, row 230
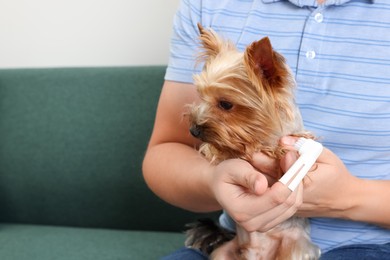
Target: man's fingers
column 288, row 160
column 250, row 179
column 280, row 207
column 265, row 164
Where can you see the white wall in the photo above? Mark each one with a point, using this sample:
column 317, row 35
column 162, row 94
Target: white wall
column 66, row 33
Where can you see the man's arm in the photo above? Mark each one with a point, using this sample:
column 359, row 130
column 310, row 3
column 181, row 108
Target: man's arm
column 172, row 168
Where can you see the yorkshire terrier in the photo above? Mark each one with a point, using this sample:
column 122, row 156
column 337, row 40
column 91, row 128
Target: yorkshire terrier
column 246, row 106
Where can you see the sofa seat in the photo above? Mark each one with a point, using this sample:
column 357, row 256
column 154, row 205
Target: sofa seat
column 30, row 242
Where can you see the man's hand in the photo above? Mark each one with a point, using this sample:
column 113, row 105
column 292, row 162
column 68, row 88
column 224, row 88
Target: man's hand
column 244, row 193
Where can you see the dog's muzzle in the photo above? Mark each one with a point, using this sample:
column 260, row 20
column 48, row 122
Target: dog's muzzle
column 196, row 131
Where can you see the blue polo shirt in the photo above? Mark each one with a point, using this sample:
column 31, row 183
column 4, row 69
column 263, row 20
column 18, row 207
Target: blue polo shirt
column 340, row 54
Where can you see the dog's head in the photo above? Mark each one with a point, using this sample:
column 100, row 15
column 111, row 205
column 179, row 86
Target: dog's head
column 246, row 99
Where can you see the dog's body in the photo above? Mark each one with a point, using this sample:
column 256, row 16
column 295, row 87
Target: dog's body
column 247, row 105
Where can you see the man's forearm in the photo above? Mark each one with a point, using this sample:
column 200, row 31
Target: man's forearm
column 372, row 202
column 179, row 175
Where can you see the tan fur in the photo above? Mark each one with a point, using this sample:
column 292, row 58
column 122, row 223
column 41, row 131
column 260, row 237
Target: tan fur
column 247, row 105
column 263, row 110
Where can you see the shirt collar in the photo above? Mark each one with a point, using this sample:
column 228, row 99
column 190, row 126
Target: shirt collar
column 302, row 3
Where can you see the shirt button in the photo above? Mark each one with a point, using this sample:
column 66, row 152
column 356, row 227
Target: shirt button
column 310, row 55
column 319, row 18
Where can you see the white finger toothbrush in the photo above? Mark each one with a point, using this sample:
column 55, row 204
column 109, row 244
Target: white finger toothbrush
column 309, row 150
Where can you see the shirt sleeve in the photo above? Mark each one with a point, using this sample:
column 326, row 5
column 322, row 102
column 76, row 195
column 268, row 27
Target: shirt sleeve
column 184, row 44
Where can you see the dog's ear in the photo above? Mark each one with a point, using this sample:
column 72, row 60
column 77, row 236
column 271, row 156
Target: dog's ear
column 259, row 56
column 212, row 44
column 266, row 66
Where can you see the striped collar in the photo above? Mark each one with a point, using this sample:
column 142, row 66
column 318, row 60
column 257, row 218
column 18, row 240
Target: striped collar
column 302, row 3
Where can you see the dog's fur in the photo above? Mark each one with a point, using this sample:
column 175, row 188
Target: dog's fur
column 247, row 105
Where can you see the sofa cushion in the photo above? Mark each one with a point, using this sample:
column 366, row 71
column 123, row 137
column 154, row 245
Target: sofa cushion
column 31, row 242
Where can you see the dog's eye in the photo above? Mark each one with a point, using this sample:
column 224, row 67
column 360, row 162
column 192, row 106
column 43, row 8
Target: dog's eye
column 225, row 105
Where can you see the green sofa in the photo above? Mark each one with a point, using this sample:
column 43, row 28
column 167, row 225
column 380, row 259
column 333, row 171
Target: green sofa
column 72, row 142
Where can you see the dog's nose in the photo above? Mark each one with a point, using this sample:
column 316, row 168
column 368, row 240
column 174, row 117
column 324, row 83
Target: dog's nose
column 196, row 131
